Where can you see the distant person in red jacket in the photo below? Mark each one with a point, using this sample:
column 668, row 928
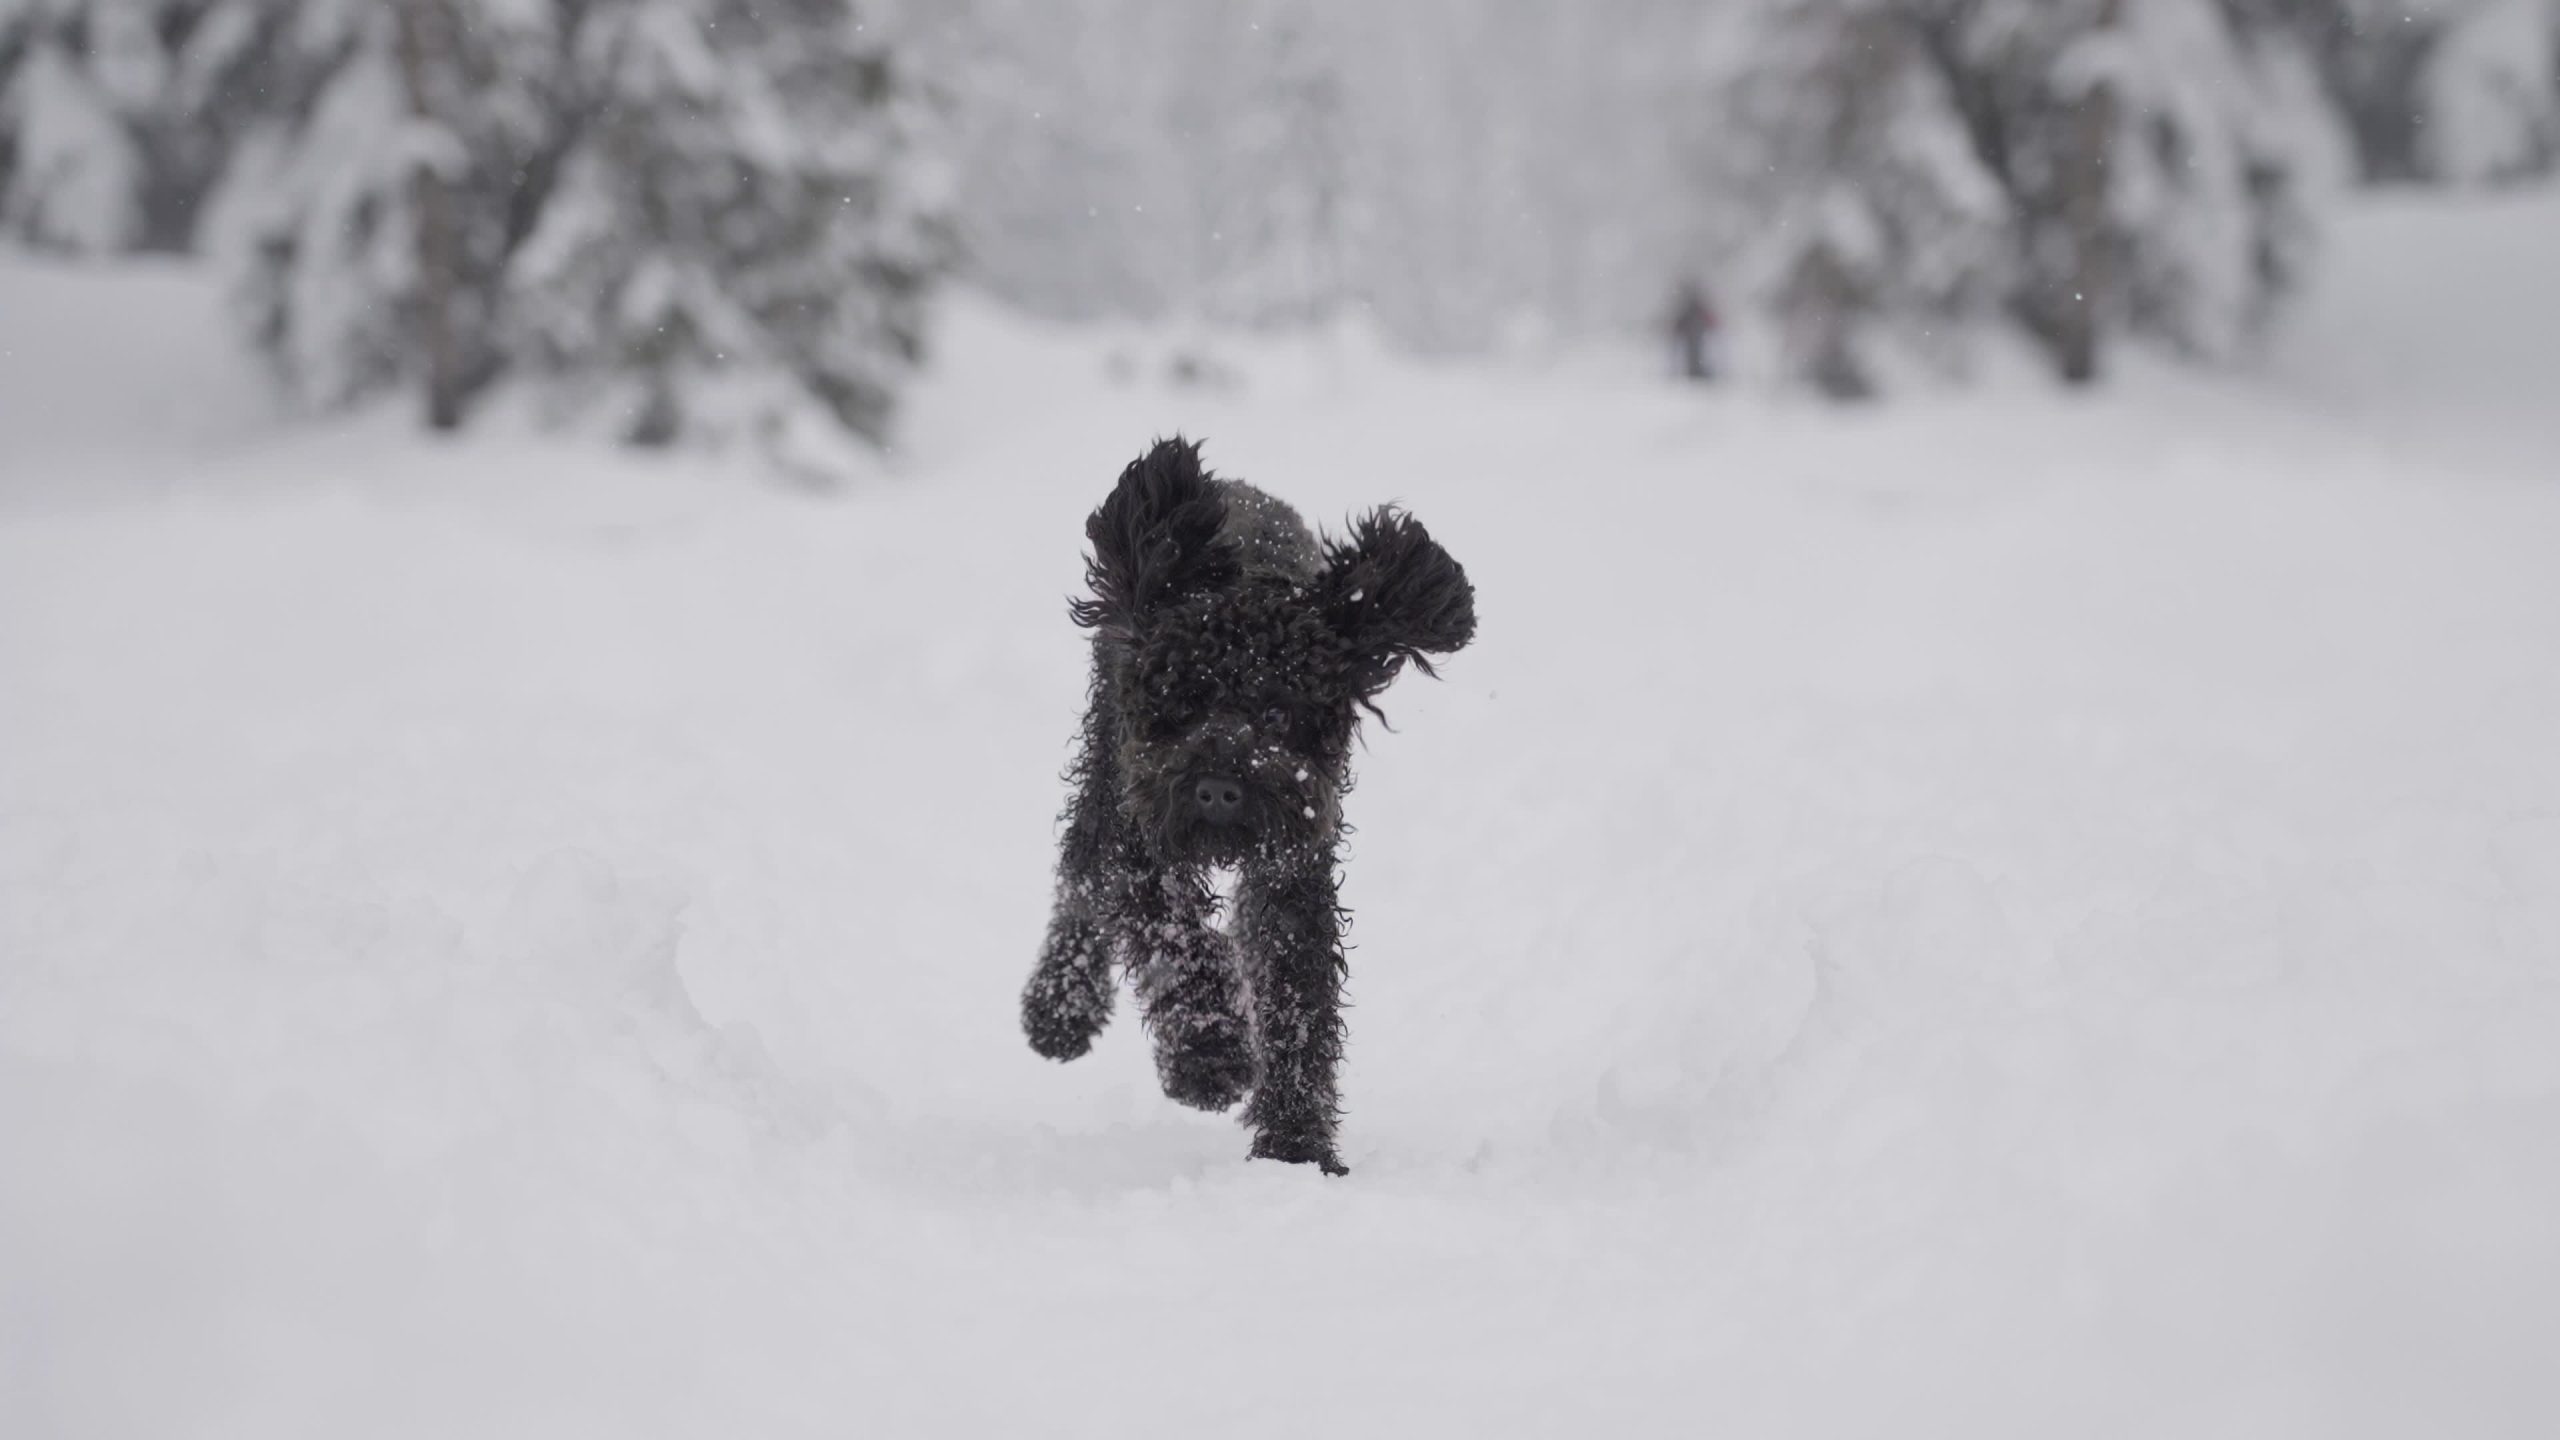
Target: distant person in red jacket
column 1693, row 331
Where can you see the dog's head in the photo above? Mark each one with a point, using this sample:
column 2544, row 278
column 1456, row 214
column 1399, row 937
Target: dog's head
column 1239, row 691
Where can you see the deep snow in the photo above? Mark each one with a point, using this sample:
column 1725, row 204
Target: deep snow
column 2002, row 915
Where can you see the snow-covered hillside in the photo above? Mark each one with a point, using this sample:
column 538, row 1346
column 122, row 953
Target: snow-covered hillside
column 2005, row 915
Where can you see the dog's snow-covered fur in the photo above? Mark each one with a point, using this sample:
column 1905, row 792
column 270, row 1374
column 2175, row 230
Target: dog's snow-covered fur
column 1232, row 654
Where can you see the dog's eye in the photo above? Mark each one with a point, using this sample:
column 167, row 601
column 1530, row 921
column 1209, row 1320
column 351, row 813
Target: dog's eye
column 1276, row 719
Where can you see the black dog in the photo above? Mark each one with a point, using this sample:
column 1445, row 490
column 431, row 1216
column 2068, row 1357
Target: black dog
column 1232, row 653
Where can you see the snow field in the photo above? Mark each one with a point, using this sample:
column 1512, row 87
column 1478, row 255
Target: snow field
column 1996, row 916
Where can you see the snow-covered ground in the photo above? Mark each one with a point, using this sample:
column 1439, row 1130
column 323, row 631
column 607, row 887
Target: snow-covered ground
column 2000, row 916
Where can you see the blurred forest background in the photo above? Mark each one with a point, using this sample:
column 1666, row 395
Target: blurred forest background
column 700, row 217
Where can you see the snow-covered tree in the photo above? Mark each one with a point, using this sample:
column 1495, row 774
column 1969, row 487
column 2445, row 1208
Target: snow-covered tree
column 387, row 215
column 2372, row 57
column 2163, row 165
column 2084, row 168
column 707, row 218
column 1876, row 217
column 743, row 225
column 2450, row 91
column 119, row 118
column 2491, row 91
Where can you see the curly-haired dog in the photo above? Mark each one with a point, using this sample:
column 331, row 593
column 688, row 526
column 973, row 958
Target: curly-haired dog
column 1232, row 654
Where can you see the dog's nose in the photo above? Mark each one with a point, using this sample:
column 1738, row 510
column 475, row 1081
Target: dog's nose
column 1220, row 800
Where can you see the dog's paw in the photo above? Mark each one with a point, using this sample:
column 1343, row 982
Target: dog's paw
column 1054, row 1038
column 1060, row 1016
column 1299, row 1152
column 1210, row 1069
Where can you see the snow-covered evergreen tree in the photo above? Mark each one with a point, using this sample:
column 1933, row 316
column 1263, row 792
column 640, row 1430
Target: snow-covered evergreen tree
column 2162, row 155
column 387, row 215
column 2491, row 91
column 2372, row 57
column 746, row 209
column 119, row 118
column 707, row 218
column 66, row 169
column 1876, row 217
column 2449, row 91
column 2085, row 168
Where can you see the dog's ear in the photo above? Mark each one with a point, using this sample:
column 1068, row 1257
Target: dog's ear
column 1394, row 595
column 1154, row 540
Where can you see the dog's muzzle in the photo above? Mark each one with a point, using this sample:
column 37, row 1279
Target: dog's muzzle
column 1216, row 800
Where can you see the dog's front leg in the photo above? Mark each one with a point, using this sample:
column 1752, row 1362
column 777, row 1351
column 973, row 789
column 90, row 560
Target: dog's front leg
column 1068, row 998
column 1289, row 928
column 1067, row 1001
column 1188, row 989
